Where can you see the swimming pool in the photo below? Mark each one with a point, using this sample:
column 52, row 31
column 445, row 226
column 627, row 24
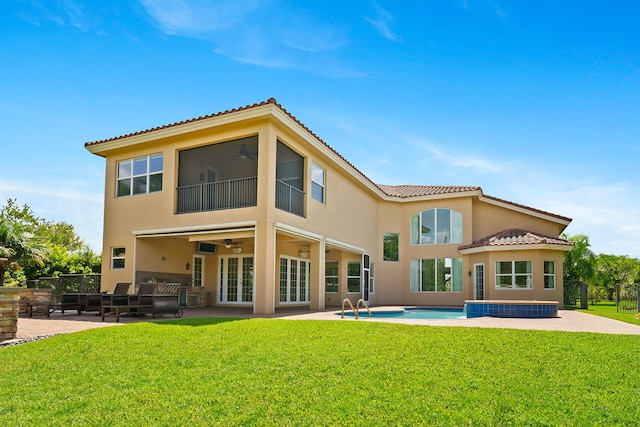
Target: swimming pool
column 413, row 313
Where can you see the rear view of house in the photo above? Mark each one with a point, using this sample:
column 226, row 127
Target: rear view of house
column 248, row 207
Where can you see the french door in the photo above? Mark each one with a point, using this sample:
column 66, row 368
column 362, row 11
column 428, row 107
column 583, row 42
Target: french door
column 294, row 280
column 236, row 279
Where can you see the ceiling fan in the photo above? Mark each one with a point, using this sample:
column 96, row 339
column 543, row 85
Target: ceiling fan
column 245, row 154
column 228, row 243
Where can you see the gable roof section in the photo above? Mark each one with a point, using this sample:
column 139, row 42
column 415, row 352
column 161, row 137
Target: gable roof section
column 515, row 238
column 271, row 107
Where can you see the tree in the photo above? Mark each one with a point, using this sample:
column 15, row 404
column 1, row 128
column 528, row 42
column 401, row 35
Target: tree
column 612, row 270
column 578, row 266
column 18, row 240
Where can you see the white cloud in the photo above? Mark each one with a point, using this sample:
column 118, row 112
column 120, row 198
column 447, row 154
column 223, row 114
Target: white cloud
column 382, row 23
column 250, row 32
column 198, row 17
column 489, row 8
column 455, row 161
column 61, row 13
column 308, row 35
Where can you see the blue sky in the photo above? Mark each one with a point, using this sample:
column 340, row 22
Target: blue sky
column 536, row 102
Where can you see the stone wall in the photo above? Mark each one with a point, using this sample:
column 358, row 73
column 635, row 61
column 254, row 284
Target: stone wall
column 9, row 298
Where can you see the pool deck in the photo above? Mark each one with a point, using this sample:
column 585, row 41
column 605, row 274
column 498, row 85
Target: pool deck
column 567, row 320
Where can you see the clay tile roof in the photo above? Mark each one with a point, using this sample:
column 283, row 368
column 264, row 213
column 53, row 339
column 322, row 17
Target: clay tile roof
column 516, row 236
column 405, row 191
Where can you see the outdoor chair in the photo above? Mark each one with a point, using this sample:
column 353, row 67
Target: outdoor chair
column 122, row 288
column 67, row 302
column 120, row 296
column 37, row 305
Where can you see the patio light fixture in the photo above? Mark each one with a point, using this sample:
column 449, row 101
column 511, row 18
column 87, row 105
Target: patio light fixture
column 188, row 266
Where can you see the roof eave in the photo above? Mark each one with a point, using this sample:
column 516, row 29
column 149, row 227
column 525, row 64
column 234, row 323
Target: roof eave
column 99, row 148
column 520, row 247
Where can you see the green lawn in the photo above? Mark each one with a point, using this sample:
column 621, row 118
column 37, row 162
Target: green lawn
column 225, row 372
column 608, row 309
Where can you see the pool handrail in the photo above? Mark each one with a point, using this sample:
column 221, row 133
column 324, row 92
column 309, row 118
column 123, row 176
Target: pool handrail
column 356, row 309
column 350, row 305
column 364, row 304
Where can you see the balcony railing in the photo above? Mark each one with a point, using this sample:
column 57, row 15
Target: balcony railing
column 230, row 194
column 289, row 198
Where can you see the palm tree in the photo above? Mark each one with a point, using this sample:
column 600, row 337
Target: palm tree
column 20, row 246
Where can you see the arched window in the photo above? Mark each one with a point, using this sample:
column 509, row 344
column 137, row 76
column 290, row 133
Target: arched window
column 436, row 227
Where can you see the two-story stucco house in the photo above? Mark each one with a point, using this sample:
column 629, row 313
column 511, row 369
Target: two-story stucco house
column 251, row 208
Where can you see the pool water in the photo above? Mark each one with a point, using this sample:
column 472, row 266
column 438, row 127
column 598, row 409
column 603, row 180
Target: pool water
column 415, row 313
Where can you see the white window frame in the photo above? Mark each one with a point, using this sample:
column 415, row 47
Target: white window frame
column 552, row 275
column 315, row 183
column 118, row 257
column 415, row 228
column 131, row 177
column 513, row 276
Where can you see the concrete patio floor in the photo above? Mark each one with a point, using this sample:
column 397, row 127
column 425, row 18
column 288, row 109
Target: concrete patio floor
column 567, row 320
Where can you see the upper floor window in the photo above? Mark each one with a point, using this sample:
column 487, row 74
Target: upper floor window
column 514, row 275
column 436, row 226
column 549, row 275
column 317, row 182
column 139, row 176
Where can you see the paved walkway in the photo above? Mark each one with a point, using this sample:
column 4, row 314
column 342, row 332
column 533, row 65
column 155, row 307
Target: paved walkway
column 567, row 320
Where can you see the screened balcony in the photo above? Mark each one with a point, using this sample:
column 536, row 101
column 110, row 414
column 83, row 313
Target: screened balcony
column 225, row 176
column 218, row 176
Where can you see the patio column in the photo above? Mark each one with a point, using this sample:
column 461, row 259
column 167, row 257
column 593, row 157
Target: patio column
column 316, row 291
column 264, row 269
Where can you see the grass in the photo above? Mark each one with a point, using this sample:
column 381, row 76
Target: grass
column 208, row 372
column 608, row 309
